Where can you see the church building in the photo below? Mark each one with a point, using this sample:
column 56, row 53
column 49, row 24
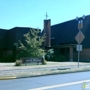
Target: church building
column 64, row 37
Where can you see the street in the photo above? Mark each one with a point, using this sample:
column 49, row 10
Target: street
column 71, row 81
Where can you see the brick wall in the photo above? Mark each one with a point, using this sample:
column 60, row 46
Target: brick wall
column 84, row 55
column 47, row 31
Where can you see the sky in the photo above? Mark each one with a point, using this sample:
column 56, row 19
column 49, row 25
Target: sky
column 31, row 13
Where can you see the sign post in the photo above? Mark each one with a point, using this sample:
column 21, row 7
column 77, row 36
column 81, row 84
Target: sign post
column 79, row 38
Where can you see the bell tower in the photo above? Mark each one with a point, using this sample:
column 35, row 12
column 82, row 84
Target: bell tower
column 47, row 31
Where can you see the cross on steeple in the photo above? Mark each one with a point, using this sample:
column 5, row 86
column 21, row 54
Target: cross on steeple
column 46, row 15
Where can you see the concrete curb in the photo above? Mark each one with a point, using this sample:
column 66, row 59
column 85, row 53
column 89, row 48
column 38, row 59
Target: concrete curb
column 45, row 74
column 55, row 73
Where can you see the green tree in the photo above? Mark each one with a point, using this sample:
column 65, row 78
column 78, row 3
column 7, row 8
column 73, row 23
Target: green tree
column 32, row 46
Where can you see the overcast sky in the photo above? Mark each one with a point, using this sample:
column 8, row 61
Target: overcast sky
column 31, row 13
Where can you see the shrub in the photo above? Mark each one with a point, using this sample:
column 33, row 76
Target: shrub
column 44, row 62
column 59, row 58
column 18, row 63
column 52, row 55
column 32, row 46
column 49, row 55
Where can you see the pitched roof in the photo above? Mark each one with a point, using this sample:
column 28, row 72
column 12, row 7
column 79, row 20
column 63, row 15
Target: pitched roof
column 64, row 33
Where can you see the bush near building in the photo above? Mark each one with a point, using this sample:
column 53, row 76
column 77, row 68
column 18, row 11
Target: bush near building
column 54, row 55
column 33, row 45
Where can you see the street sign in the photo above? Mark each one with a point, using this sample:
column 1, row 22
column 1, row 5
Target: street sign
column 79, row 47
column 79, row 37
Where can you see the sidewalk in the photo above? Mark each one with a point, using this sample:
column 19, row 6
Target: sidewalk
column 9, row 71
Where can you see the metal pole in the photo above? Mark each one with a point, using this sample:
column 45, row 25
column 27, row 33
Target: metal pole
column 79, row 49
column 80, row 26
column 78, row 58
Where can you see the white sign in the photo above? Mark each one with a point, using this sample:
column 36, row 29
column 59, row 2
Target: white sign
column 79, row 47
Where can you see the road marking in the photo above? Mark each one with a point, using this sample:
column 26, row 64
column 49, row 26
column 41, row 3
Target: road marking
column 6, row 78
column 60, row 85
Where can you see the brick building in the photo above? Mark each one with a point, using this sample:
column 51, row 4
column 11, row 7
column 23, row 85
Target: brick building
column 9, row 41
column 62, row 37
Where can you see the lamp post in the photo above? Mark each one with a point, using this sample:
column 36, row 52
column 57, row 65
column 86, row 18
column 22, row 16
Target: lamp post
column 80, row 26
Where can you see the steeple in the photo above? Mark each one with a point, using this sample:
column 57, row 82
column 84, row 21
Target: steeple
column 47, row 31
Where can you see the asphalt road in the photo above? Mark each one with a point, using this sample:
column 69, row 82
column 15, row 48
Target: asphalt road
column 71, row 81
